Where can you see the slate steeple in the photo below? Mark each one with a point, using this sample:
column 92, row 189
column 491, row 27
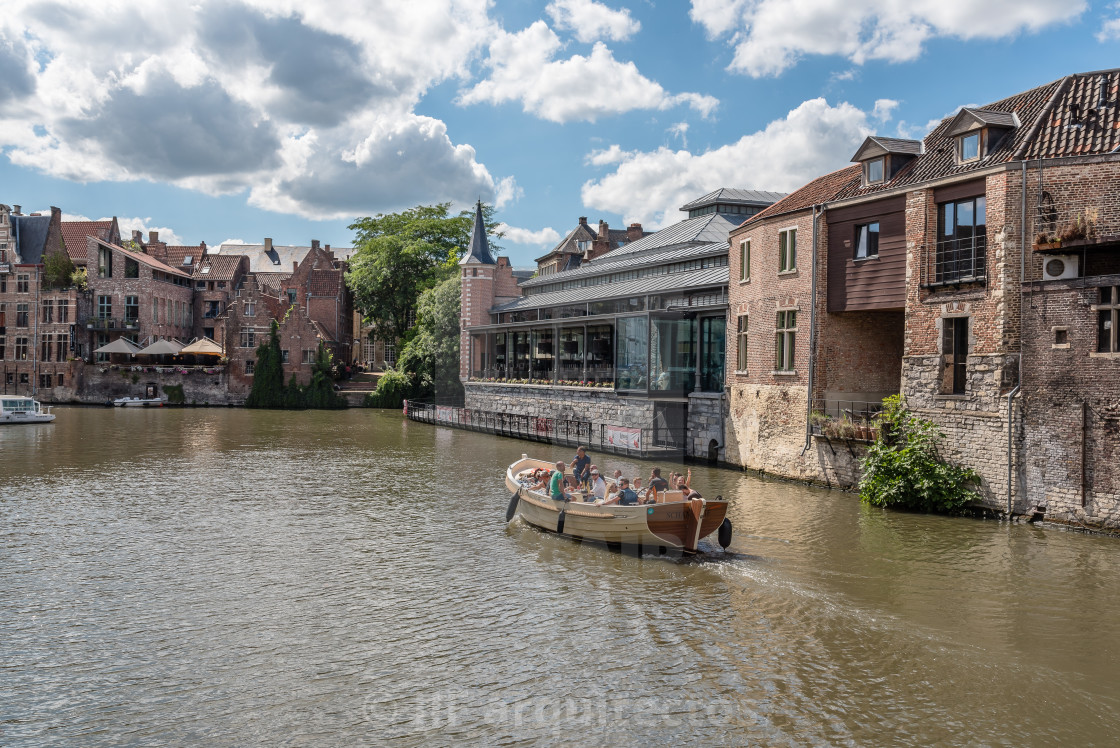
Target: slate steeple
column 478, row 252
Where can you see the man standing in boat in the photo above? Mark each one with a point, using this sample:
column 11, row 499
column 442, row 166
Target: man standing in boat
column 581, row 466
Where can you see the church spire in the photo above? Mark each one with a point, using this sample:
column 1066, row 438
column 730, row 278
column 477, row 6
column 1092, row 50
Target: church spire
column 479, row 250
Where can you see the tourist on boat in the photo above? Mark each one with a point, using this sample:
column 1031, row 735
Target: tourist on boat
column 656, row 482
column 581, row 466
column 625, row 496
column 598, row 485
column 556, row 484
column 684, row 485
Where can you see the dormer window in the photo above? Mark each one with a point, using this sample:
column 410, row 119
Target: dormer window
column 876, row 169
column 970, row 146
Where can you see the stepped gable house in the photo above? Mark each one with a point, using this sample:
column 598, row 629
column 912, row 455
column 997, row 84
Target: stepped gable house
column 36, row 317
column 583, row 244
column 929, row 262
column 634, row 337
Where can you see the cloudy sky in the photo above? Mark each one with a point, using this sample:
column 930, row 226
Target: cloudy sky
column 240, row 119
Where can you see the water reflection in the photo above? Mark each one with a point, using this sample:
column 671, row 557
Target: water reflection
column 224, row 575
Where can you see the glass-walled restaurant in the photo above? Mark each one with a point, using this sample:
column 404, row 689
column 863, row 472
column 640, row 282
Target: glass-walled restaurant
column 661, row 345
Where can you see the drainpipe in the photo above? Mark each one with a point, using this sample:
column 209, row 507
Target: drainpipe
column 1022, row 315
column 812, row 331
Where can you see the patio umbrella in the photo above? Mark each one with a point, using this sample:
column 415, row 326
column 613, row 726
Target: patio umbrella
column 120, row 345
column 203, row 347
column 162, row 348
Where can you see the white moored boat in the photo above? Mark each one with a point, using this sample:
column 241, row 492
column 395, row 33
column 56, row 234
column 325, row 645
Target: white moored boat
column 15, row 409
column 137, row 402
column 671, row 523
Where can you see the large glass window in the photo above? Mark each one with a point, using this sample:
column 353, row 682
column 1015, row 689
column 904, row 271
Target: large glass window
column 867, row 240
column 600, row 353
column 672, row 360
column 46, row 311
column 522, row 341
column 104, row 262
column 544, row 355
column 104, row 307
column 132, row 308
column 571, row 354
column 713, row 353
column 500, row 350
column 1108, row 320
column 631, row 353
column 22, row 315
column 962, row 235
column 786, row 340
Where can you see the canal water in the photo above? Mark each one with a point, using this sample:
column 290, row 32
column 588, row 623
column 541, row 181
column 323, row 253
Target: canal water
column 238, row 577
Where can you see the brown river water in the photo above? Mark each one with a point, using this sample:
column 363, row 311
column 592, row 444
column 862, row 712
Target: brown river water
column 233, row 577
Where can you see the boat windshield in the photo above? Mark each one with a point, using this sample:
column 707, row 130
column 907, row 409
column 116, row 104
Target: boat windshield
column 11, row 405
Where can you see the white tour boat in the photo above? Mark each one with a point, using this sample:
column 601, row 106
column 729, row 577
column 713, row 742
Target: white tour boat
column 14, row 409
column 138, row 402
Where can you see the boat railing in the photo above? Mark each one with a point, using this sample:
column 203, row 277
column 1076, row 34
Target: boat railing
column 635, row 441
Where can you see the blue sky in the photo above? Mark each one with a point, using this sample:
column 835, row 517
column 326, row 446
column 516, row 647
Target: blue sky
column 240, row 119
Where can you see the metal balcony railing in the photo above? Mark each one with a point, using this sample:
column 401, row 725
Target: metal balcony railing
column 852, row 420
column 112, row 323
column 957, row 261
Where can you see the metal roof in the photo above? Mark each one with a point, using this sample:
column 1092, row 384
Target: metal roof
column 731, row 196
column 478, row 251
column 32, row 234
column 705, row 229
column 663, row 256
column 707, row 277
column 278, row 260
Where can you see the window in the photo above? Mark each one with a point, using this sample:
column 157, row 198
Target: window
column 131, row 268
column 104, row 262
column 741, row 363
column 46, row 314
column 954, row 350
column 45, row 348
column 876, row 169
column 60, row 346
column 308, row 355
column 59, row 380
column 167, row 320
column 23, row 283
column 21, row 349
column 631, row 353
column 21, row 315
column 970, row 146
column 786, row 340
column 284, row 356
column 250, row 309
column 3, row 347
column 63, row 310
column 390, row 355
column 745, row 260
column 44, row 381
column 1108, row 320
column 155, row 311
column 291, row 296
column 104, row 307
column 867, row 240
column 787, row 250
column 23, row 378
column 213, row 309
column 250, row 367
column 131, row 308
column 248, row 338
column 962, row 240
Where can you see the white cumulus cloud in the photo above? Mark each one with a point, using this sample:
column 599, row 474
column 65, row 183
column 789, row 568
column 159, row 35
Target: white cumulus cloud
column 523, row 68
column 650, row 186
column 591, row 21
column 770, row 36
column 547, row 236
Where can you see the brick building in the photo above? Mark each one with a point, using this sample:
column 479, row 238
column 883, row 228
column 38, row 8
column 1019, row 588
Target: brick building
column 921, row 255
column 583, row 244
column 37, row 317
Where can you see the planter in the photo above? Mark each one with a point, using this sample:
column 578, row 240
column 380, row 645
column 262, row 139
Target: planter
column 1047, row 246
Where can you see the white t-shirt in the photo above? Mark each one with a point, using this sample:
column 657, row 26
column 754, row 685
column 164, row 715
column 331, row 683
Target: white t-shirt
column 599, row 488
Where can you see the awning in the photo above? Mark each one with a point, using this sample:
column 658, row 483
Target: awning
column 203, row 347
column 162, row 348
column 120, row 345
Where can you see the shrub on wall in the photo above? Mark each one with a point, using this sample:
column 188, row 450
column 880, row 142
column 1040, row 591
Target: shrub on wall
column 904, row 470
column 392, row 389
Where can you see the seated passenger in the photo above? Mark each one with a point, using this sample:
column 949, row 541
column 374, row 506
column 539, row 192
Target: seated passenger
column 657, row 482
column 598, row 486
column 625, row 495
column 556, row 484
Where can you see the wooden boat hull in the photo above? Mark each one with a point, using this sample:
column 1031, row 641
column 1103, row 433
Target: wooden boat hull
column 676, row 525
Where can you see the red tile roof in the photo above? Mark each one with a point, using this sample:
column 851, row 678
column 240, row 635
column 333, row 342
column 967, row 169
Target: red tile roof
column 144, row 259
column 221, row 267
column 74, row 235
column 173, row 255
column 325, row 282
column 820, row 190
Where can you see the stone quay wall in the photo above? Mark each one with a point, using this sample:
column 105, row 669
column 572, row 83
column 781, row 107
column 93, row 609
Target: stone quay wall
column 199, row 388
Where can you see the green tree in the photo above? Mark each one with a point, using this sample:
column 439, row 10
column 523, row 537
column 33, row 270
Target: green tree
column 58, row 268
column 401, row 255
column 903, row 469
column 268, row 375
column 431, row 357
column 320, row 393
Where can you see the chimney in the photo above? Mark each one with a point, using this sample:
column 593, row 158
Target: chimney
column 153, row 237
column 202, row 247
column 267, row 244
column 15, row 210
column 295, row 266
column 138, row 236
column 56, row 214
column 582, row 219
column 314, row 244
column 604, row 229
column 634, row 232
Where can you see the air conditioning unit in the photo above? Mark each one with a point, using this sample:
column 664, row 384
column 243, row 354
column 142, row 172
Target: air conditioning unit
column 1060, row 267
